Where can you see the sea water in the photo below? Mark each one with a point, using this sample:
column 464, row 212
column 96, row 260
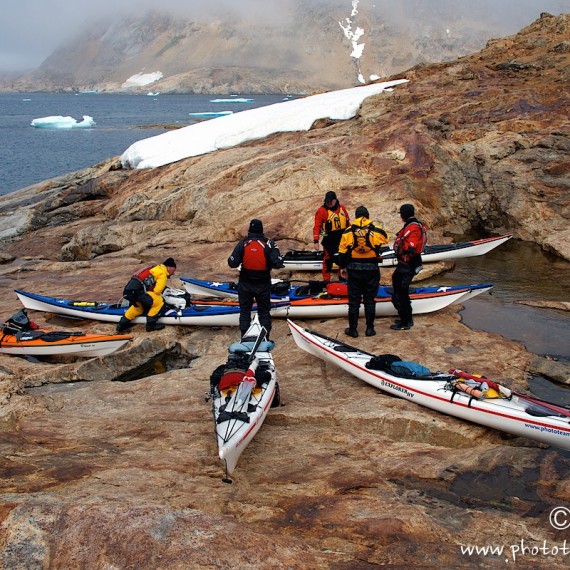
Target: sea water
column 29, row 155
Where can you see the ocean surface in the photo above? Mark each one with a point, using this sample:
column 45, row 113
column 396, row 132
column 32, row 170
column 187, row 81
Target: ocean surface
column 29, row 155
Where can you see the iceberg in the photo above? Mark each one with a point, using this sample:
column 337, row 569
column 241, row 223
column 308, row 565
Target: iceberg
column 59, row 122
column 209, row 114
column 236, row 100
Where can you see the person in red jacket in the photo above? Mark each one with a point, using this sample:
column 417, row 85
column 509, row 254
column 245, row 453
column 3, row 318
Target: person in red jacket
column 331, row 219
column 408, row 246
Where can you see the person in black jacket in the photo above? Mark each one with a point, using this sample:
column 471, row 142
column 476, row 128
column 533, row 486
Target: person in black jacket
column 258, row 255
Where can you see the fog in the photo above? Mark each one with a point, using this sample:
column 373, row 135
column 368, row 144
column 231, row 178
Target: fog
column 33, row 29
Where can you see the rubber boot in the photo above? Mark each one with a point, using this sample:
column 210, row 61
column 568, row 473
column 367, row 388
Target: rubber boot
column 152, row 324
column 370, row 314
column 123, row 325
column 399, row 322
column 352, row 329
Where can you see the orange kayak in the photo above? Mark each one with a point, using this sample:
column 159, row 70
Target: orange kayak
column 40, row 342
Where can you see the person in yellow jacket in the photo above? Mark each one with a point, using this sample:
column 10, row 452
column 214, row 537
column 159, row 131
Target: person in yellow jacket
column 144, row 294
column 358, row 256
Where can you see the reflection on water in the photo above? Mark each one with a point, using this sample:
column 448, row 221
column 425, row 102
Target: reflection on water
column 542, row 331
column 548, row 391
column 519, row 271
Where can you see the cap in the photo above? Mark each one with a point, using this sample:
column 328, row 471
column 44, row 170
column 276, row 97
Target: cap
column 169, row 262
column 330, row 195
column 361, row 211
column 407, row 211
column 256, row 227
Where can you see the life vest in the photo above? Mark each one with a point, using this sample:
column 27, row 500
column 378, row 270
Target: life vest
column 402, row 242
column 423, row 242
column 336, row 221
column 146, row 278
column 361, row 244
column 254, row 255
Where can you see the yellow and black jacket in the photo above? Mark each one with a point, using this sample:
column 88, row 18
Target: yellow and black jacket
column 361, row 242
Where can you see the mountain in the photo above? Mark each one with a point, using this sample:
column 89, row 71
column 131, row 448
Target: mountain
column 301, row 49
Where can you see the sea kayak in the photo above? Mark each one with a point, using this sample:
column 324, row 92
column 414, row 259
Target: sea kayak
column 322, row 291
column 304, row 260
column 242, row 390
column 226, row 313
column 40, row 342
column 518, row 414
column 304, row 303
column 205, row 313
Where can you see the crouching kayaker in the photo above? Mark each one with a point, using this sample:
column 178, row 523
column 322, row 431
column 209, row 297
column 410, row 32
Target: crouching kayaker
column 144, row 294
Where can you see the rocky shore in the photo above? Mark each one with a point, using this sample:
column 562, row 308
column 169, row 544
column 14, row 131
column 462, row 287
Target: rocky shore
column 111, row 462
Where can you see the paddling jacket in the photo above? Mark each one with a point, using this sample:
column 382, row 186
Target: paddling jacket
column 148, row 279
column 409, row 243
column 361, row 243
column 257, row 256
column 330, row 223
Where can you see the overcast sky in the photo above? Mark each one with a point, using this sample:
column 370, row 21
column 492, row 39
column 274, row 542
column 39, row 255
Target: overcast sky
column 32, row 29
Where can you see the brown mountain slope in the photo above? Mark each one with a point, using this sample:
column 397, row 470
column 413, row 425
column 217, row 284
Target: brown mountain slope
column 300, row 50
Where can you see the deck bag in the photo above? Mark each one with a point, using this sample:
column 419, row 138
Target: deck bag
column 281, row 288
column 216, row 376
column 313, row 287
column 262, row 374
column 337, row 289
column 18, row 324
column 234, row 370
column 382, row 362
column 302, row 254
column 409, row 369
column 177, row 299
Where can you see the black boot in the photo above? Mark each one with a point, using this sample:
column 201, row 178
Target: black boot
column 152, row 324
column 399, row 322
column 370, row 314
column 352, row 329
column 123, row 325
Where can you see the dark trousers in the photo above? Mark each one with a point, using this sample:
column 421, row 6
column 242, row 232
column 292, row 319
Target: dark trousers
column 330, row 249
column 401, row 280
column 260, row 293
column 362, row 286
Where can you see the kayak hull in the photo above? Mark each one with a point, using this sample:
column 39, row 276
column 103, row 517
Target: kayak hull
column 208, row 314
column 507, row 415
column 220, row 313
column 424, row 299
column 239, row 410
column 89, row 345
column 312, row 260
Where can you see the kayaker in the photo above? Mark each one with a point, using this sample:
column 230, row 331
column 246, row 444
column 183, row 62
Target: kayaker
column 144, row 294
column 408, row 246
column 358, row 259
column 258, row 255
column 331, row 219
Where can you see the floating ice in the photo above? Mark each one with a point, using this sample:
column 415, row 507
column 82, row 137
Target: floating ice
column 233, row 100
column 59, row 122
column 210, row 114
